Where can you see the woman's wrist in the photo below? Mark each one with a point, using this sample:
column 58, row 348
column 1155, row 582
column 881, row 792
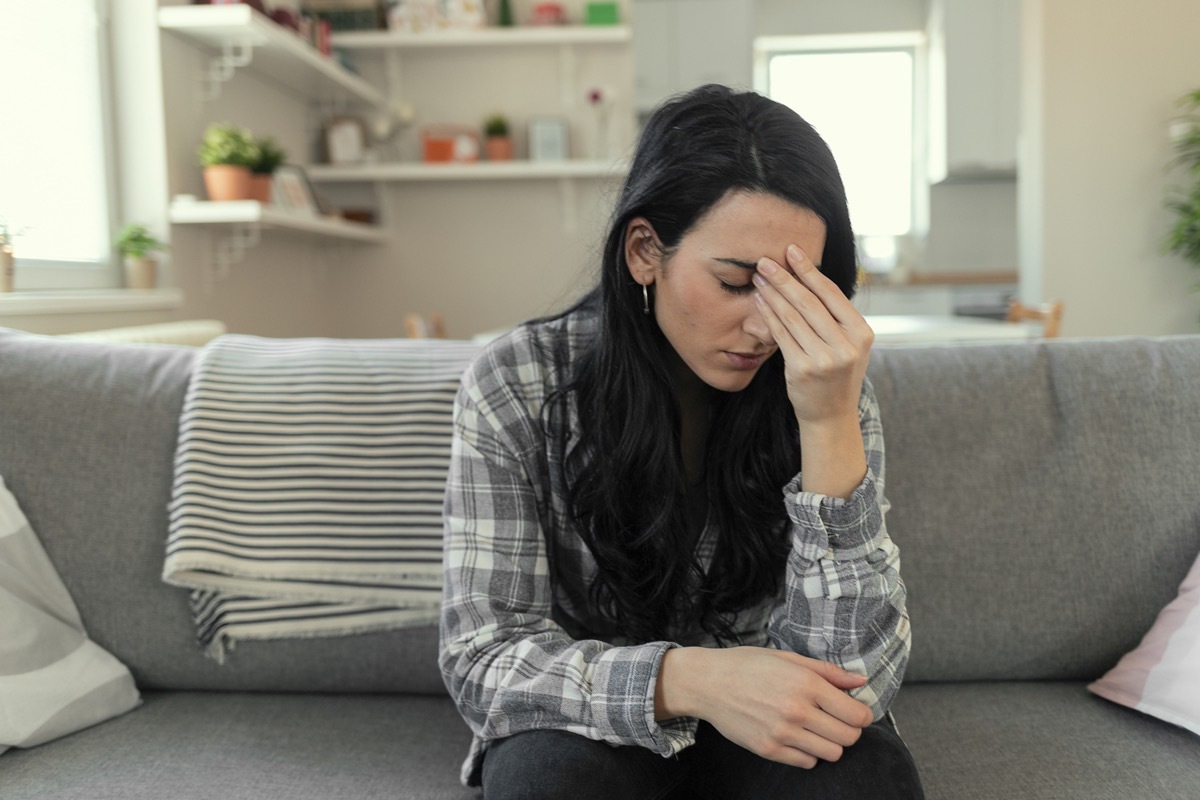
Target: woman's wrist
column 833, row 458
column 675, row 692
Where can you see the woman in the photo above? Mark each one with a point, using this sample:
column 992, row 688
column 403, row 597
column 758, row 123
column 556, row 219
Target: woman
column 664, row 517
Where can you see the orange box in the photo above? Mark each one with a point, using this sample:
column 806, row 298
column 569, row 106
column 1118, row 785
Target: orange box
column 449, row 143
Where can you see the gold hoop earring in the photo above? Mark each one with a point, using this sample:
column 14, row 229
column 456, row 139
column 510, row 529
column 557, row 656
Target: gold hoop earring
column 645, row 300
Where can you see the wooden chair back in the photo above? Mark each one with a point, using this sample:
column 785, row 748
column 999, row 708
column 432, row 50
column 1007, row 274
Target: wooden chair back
column 1049, row 314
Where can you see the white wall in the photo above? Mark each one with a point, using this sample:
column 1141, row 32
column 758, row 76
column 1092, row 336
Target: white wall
column 1099, row 88
column 803, row 17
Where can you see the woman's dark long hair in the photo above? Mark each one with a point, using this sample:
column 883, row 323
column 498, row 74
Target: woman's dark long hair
column 626, row 483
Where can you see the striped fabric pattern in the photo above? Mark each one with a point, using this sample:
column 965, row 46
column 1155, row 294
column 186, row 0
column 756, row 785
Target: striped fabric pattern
column 308, row 489
column 54, row 680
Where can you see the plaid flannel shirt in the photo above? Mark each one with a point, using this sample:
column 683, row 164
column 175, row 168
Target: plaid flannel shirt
column 520, row 651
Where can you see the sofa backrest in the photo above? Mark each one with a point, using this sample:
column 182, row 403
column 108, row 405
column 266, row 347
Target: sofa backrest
column 1042, row 497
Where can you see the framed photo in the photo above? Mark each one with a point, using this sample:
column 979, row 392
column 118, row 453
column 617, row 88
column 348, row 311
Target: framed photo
column 346, row 140
column 548, row 139
column 292, row 191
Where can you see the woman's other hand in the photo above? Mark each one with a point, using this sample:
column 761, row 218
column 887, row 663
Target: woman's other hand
column 780, row 705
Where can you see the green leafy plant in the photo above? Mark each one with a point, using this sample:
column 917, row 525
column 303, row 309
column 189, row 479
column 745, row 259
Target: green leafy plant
column 136, row 241
column 8, row 234
column 495, row 125
column 228, row 145
column 270, row 156
column 1184, row 238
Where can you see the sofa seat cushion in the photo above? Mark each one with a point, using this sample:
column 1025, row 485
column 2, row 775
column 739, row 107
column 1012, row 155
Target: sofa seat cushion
column 1015, row 740
column 233, row 745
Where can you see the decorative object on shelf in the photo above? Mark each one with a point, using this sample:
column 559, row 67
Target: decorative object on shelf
column 548, row 14
column 504, row 14
column 497, row 142
column 600, row 118
column 293, row 193
column 270, row 156
column 548, row 139
column 345, row 140
column 286, row 18
column 257, row 5
column 1184, row 238
column 449, row 143
column 363, row 216
column 227, row 153
column 602, row 14
column 418, row 16
column 346, row 15
column 137, row 247
column 7, row 258
column 385, row 125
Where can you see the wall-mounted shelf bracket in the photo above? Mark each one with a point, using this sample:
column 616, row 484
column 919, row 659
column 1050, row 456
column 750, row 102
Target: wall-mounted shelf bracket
column 233, row 56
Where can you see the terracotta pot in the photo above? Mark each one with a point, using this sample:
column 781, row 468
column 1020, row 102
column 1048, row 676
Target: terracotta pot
column 141, row 273
column 6, row 269
column 260, row 187
column 225, row 182
column 498, row 148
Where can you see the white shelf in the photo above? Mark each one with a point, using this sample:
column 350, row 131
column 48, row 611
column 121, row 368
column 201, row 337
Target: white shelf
column 475, row 171
column 485, row 37
column 252, row 212
column 240, row 34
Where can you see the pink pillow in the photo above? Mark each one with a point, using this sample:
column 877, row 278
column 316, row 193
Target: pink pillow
column 1161, row 676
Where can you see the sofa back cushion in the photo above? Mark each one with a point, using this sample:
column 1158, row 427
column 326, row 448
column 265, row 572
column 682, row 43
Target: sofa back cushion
column 1044, row 498
column 87, row 443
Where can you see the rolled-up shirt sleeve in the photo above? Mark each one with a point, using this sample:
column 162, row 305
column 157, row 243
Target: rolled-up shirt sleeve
column 508, row 666
column 843, row 599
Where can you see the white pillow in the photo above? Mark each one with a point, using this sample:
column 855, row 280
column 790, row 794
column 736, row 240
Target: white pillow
column 53, row 679
column 1161, row 676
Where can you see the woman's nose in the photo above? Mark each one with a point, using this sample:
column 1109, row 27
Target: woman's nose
column 756, row 326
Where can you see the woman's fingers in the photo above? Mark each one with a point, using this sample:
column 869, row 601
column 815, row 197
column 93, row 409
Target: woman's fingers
column 802, row 294
column 831, row 296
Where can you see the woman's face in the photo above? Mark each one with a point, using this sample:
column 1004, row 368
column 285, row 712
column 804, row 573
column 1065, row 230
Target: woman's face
column 703, row 298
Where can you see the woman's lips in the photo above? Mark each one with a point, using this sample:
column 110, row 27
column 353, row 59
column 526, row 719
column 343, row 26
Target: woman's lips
column 746, row 360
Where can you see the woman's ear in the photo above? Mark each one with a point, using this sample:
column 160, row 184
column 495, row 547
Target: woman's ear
column 643, row 251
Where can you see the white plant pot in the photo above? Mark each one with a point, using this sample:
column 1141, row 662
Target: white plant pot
column 6, row 269
column 141, row 273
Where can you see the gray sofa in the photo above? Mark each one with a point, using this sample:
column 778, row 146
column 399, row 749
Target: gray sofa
column 1044, row 500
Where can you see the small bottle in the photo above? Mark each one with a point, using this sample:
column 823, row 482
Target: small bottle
column 505, row 17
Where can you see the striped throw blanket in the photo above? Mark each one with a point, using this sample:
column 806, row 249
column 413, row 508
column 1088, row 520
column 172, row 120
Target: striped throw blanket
column 308, row 489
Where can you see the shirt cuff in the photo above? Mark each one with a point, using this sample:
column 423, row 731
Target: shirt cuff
column 832, row 527
column 623, row 683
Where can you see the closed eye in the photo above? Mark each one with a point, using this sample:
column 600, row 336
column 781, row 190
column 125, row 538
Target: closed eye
column 736, row 288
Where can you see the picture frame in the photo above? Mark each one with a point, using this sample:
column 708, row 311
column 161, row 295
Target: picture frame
column 549, row 139
column 292, row 192
column 346, row 140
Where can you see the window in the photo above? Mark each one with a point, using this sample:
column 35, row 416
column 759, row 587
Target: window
column 860, row 91
column 56, row 178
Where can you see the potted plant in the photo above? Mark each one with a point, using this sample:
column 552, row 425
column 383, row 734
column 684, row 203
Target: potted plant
column 137, row 245
column 7, row 259
column 227, row 153
column 270, row 156
column 497, row 142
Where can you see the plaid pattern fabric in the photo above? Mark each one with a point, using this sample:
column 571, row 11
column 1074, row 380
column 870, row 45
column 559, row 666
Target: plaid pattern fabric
column 522, row 651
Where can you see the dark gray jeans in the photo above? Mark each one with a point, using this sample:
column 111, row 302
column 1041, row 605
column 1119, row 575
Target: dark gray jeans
column 540, row 765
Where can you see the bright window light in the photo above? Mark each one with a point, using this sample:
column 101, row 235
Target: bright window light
column 861, row 100
column 53, row 176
